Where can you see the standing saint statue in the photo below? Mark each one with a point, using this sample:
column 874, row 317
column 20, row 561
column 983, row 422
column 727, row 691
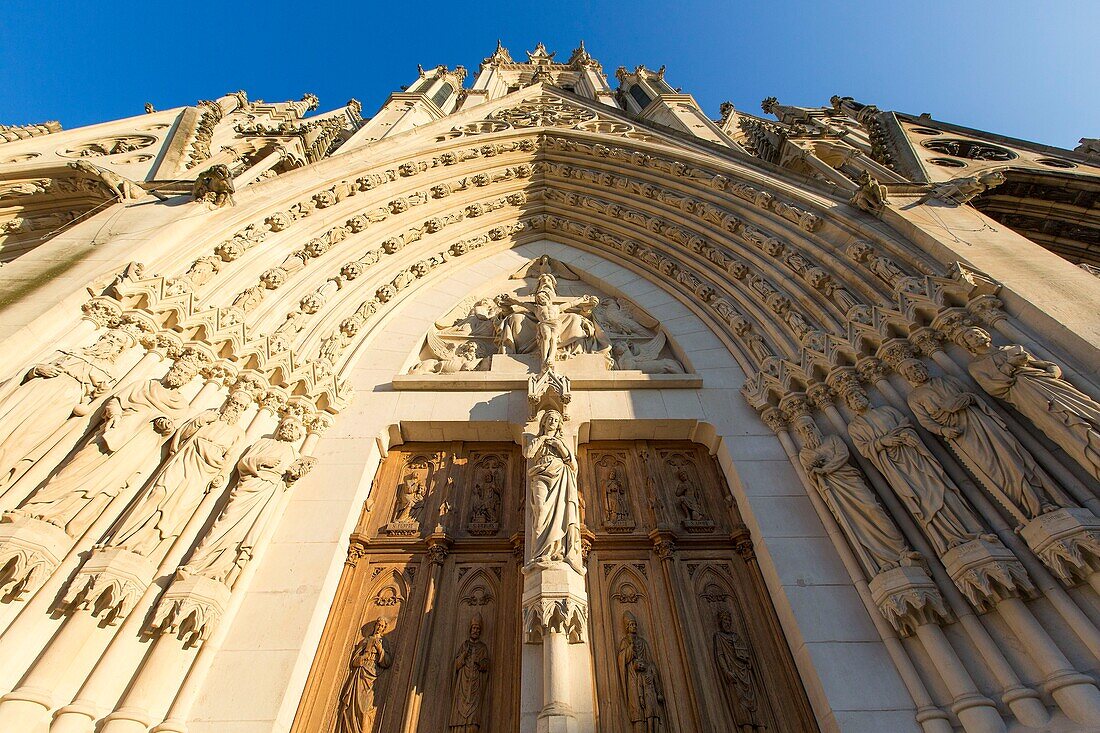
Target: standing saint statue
column 645, row 700
column 553, row 516
column 615, row 509
column 871, row 532
column 1063, row 413
column 266, row 469
column 471, row 677
column 884, row 436
column 409, row 500
column 122, row 450
column 356, row 711
column 981, row 439
column 198, row 454
column 735, row 674
column 50, row 393
column 687, row 498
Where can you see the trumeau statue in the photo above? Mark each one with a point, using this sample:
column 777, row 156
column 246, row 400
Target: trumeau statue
column 735, row 675
column 266, row 469
column 50, row 393
column 356, row 711
column 641, row 684
column 871, row 532
column 885, row 437
column 979, row 437
column 199, row 452
column 1036, row 389
column 554, row 519
column 471, row 671
column 115, row 455
column 538, row 319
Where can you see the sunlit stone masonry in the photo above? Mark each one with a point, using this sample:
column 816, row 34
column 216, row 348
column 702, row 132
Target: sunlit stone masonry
column 536, row 404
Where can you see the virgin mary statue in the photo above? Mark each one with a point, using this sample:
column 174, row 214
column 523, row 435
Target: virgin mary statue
column 553, row 517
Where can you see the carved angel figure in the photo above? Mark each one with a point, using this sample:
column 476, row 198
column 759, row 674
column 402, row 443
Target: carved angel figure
column 646, row 357
column 619, row 319
column 449, row 358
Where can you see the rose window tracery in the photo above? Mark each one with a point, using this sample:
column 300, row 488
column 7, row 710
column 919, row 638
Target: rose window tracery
column 969, row 149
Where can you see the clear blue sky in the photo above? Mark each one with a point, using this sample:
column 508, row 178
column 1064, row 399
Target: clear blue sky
column 1024, row 69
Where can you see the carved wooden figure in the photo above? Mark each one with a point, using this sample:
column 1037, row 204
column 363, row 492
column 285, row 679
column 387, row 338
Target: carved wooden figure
column 368, row 660
column 733, row 661
column 640, row 679
column 471, row 670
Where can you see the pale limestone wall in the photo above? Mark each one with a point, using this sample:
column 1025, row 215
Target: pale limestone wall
column 846, row 670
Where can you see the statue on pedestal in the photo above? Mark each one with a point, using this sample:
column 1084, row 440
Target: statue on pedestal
column 1066, row 415
column 644, row 696
column 119, row 453
column 198, row 453
column 471, row 678
column 554, row 518
column 369, row 658
column 885, row 437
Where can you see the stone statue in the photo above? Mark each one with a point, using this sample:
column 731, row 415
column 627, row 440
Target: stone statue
column 471, row 679
column 50, row 393
column 645, row 358
column 735, row 675
column 214, row 185
column 550, row 329
column 963, row 190
column 448, row 358
column 885, row 437
column 979, row 437
column 369, row 658
column 871, row 532
column 486, row 497
column 199, row 452
column 1036, row 389
column 687, row 498
column 620, row 319
column 870, row 196
column 644, row 697
column 409, row 500
column 615, row 507
column 553, row 516
column 266, row 470
column 123, row 188
column 118, row 453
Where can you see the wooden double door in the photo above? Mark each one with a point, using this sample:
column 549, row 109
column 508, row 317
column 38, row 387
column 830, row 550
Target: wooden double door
column 681, row 628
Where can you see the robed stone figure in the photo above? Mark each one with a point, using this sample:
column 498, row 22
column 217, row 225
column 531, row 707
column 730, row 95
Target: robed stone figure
column 49, row 394
column 471, row 677
column 735, row 673
column 199, row 452
column 978, row 436
column 120, row 452
column 1066, row 415
column 554, row 516
column 369, row 658
column 641, row 684
column 886, row 438
column 265, row 471
column 872, row 533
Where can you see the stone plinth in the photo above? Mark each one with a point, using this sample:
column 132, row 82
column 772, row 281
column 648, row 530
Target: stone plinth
column 987, row 572
column 907, row 597
column 555, row 627
column 403, row 529
column 30, row 550
column 192, row 607
column 111, row 580
column 1067, row 541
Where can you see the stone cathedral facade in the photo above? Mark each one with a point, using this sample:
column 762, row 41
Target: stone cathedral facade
column 534, row 403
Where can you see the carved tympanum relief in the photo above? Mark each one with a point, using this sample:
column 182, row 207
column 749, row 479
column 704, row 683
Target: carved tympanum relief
column 550, row 316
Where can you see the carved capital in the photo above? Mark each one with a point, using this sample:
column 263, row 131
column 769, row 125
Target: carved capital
column 820, row 395
column 773, row 418
column 109, row 583
column 987, row 309
column 542, row 616
column 664, row 544
column 926, row 341
column 871, row 369
column 102, row 312
column 895, row 351
column 908, row 598
column 1067, row 541
column 439, row 546
column 794, row 406
column 844, row 382
column 987, row 572
column 190, row 609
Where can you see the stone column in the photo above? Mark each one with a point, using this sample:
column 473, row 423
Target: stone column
column 555, row 598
